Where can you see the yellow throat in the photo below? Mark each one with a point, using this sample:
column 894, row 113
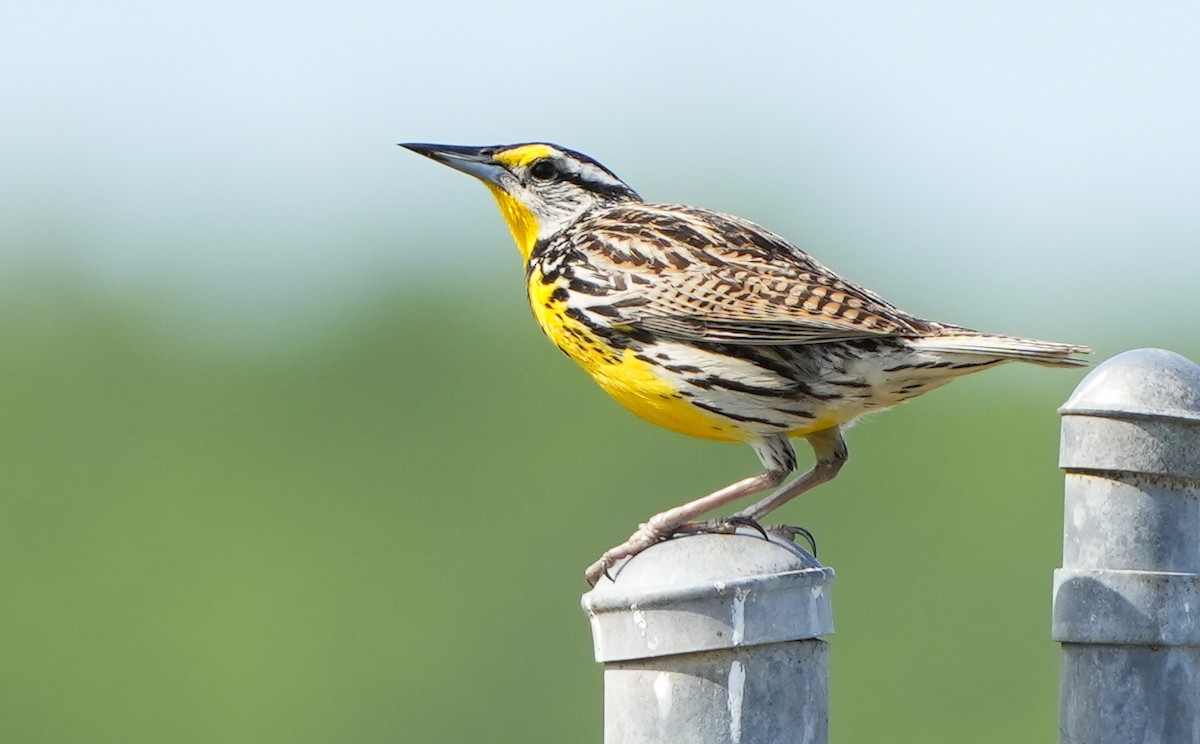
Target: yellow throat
column 521, row 221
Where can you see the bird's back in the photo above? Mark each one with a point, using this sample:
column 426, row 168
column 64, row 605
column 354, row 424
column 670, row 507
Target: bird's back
column 706, row 275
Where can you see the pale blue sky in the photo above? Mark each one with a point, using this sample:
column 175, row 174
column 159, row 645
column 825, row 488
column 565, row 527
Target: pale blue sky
column 1028, row 165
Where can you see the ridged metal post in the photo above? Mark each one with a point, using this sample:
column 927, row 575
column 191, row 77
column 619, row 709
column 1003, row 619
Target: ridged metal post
column 1127, row 599
column 714, row 639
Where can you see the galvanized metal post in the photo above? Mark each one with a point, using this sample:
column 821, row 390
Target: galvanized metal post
column 715, row 639
column 1127, row 599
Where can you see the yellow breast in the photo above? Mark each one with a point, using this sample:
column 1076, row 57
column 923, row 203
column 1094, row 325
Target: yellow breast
column 635, row 383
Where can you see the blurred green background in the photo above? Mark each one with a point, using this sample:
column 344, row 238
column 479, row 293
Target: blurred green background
column 285, row 459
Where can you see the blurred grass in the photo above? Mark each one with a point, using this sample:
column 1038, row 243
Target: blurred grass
column 376, row 532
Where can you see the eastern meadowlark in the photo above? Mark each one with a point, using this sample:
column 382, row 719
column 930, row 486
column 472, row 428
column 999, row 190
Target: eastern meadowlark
column 712, row 326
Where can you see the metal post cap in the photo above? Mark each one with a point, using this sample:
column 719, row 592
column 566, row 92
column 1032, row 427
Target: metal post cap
column 1138, row 412
column 706, row 592
column 1143, row 382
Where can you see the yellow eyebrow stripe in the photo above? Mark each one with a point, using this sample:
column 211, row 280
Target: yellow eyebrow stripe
column 523, row 155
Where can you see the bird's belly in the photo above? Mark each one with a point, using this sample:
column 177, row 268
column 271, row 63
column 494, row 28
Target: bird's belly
column 709, row 395
column 679, row 396
column 639, row 386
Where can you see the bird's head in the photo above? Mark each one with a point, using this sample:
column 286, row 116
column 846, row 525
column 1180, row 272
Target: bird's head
column 541, row 188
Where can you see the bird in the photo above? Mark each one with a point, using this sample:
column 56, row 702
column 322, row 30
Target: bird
column 714, row 327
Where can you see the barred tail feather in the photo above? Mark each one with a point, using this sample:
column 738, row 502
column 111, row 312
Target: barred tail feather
column 1030, row 350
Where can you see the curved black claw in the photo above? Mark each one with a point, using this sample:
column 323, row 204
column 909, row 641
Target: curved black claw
column 790, row 532
column 751, row 523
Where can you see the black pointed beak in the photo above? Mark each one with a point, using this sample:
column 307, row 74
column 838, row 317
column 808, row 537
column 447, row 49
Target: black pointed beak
column 475, row 161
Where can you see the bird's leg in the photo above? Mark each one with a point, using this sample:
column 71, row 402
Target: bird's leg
column 777, row 456
column 831, row 454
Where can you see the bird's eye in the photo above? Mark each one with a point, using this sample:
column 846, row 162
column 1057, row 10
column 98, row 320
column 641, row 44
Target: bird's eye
column 543, row 170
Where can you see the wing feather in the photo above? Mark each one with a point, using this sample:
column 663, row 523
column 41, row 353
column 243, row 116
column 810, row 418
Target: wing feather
column 699, row 275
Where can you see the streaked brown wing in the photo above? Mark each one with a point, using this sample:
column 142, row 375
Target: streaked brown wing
column 705, row 276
